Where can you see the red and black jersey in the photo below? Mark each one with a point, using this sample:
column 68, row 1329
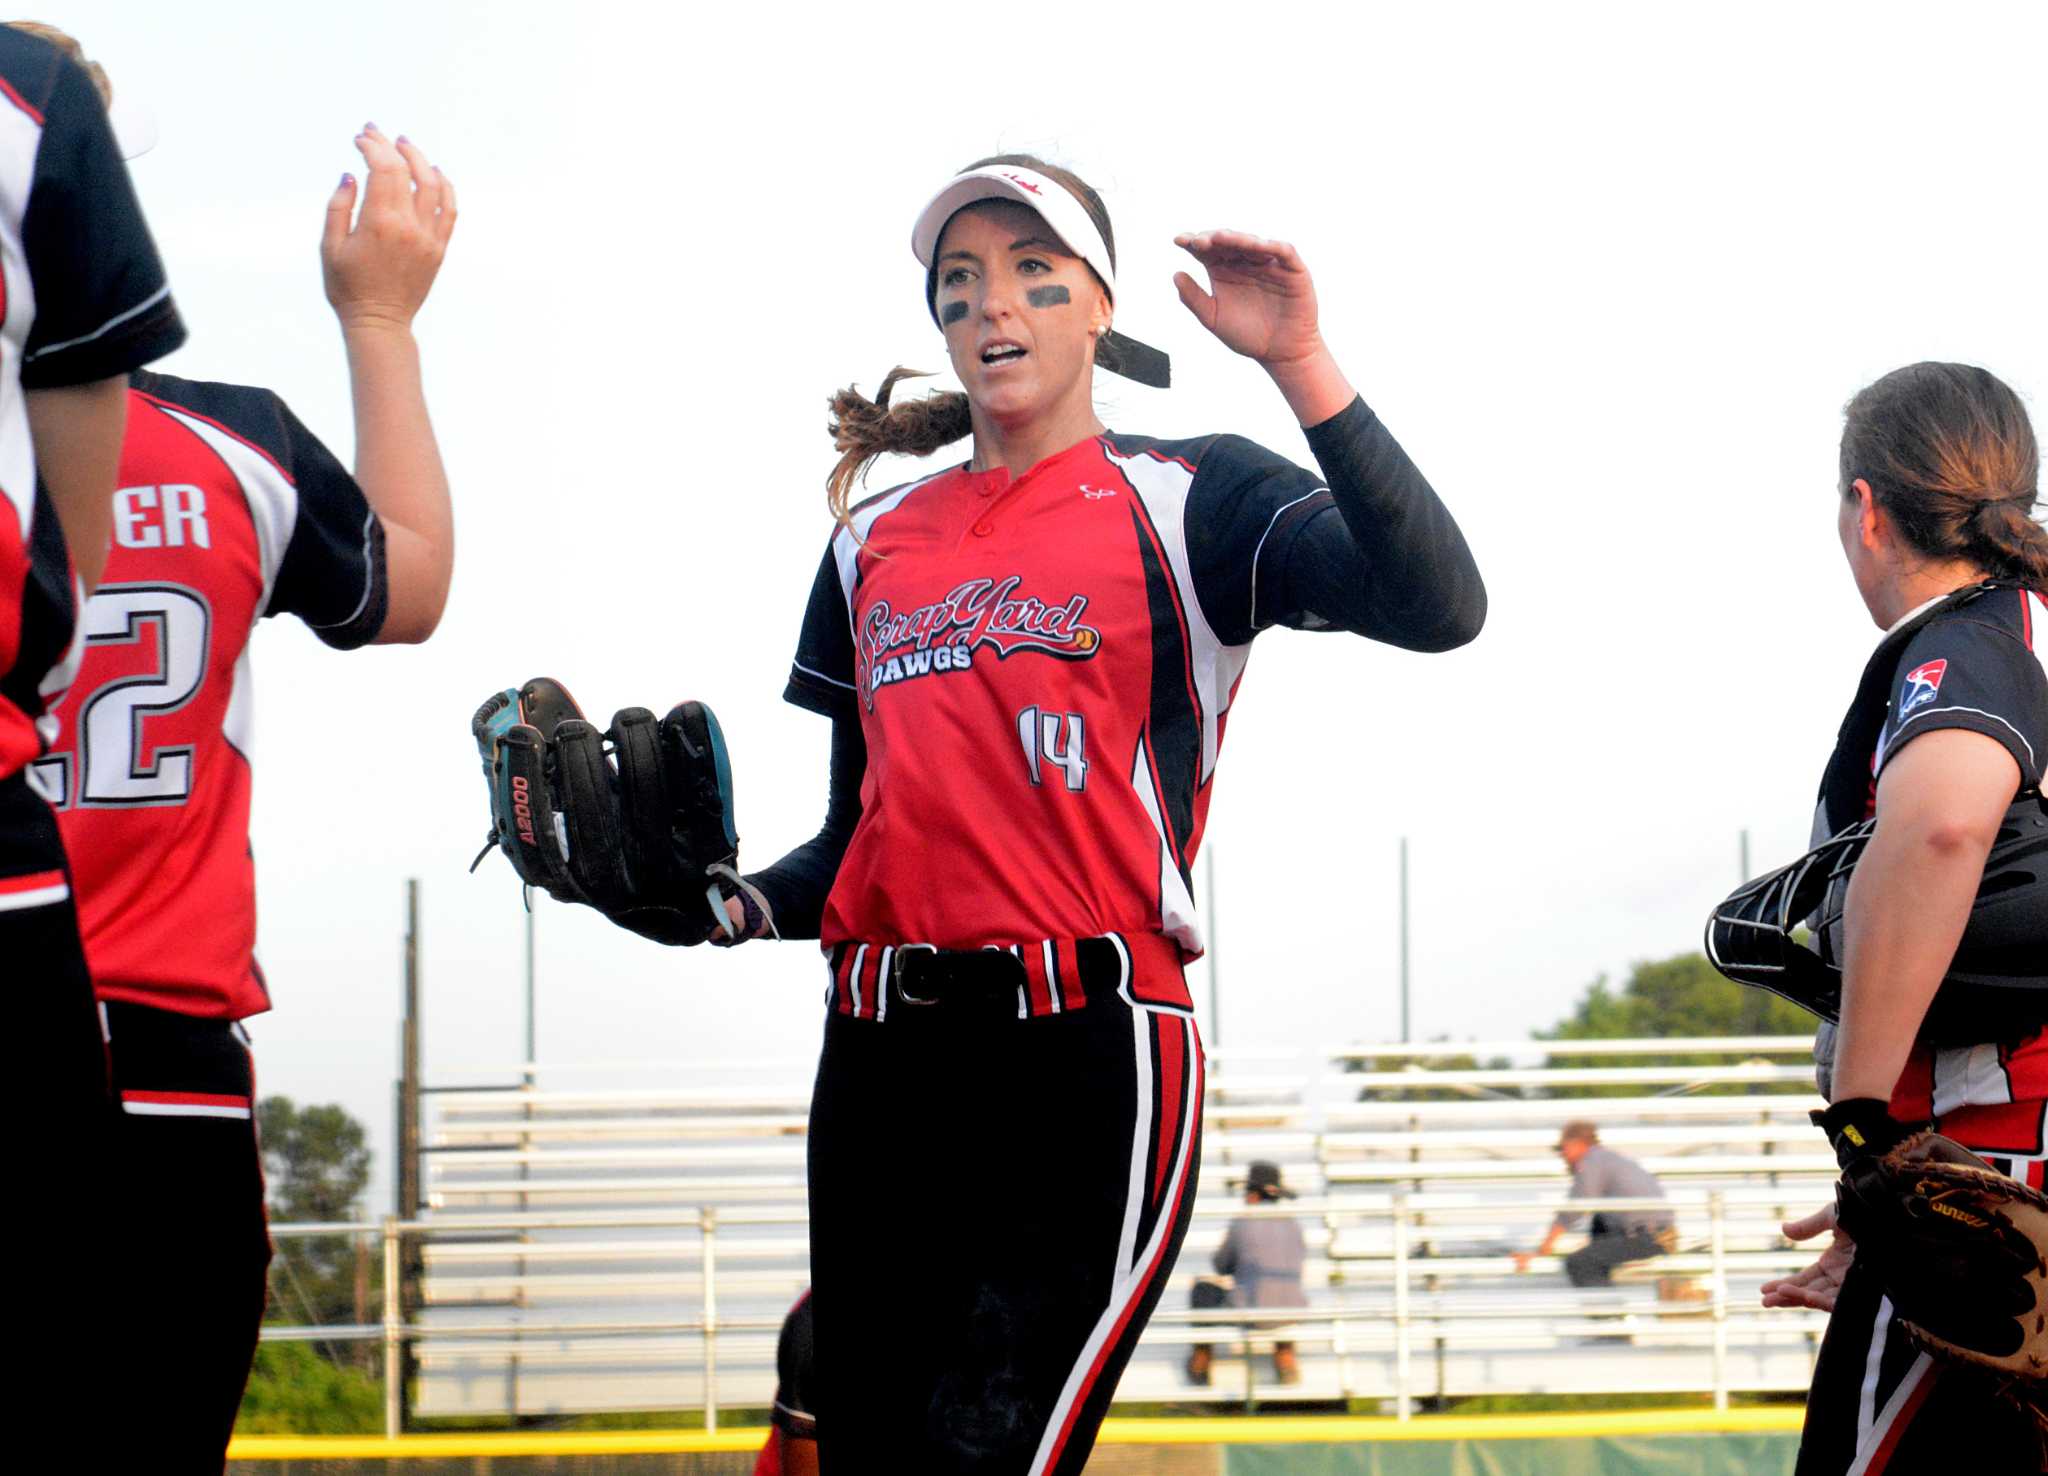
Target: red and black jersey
column 1043, row 668
column 1974, row 663
column 82, row 298
column 228, row 510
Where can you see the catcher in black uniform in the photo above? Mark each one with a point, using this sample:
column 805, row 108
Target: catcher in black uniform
column 1928, row 904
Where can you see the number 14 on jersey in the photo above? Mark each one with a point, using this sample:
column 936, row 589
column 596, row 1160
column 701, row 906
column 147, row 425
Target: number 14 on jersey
column 1054, row 741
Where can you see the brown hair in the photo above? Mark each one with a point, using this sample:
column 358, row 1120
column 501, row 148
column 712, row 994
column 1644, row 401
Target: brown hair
column 65, row 42
column 1950, row 456
column 863, row 429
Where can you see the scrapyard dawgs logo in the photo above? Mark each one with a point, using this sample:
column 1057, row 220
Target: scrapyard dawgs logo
column 944, row 636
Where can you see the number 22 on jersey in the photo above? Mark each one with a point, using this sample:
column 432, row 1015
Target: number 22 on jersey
column 113, row 761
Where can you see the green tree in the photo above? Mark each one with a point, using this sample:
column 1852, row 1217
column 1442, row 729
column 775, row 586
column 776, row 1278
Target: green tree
column 316, row 1162
column 316, row 1159
column 294, row 1391
column 1678, row 996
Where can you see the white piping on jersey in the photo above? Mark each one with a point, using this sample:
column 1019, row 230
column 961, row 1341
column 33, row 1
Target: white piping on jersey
column 1258, row 548
column 20, row 139
column 34, row 897
column 369, row 578
column 1163, row 487
column 1052, row 972
column 860, row 956
column 847, row 541
column 2032, row 757
column 238, row 723
column 1969, row 1076
column 273, row 502
column 882, row 988
column 807, row 671
column 107, row 327
column 1177, row 916
column 1123, row 966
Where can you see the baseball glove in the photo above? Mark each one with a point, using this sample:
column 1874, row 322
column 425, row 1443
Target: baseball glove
column 1956, row 1245
column 635, row 821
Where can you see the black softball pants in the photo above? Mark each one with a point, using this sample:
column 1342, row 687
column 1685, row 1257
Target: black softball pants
column 995, row 1205
column 62, row 1151
column 189, row 1255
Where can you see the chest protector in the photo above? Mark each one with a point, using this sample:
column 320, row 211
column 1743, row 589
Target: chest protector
column 1997, row 985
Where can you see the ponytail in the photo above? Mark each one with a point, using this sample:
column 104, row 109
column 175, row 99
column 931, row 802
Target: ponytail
column 2007, row 541
column 1950, row 456
column 863, row 429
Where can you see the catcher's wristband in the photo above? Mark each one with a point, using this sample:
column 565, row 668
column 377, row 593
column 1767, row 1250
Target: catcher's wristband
column 1861, row 1127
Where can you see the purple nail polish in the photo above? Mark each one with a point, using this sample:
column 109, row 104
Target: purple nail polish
column 347, row 180
column 403, row 139
column 369, row 128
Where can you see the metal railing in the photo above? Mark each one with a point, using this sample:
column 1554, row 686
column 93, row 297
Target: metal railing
column 1406, row 1217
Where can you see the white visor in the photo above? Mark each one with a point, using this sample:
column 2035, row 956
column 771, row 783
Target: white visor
column 1070, row 221
column 1058, row 208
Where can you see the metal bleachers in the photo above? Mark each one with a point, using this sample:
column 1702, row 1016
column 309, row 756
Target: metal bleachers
column 634, row 1244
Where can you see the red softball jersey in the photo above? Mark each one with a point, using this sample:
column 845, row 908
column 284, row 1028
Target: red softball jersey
column 1043, row 668
column 228, row 510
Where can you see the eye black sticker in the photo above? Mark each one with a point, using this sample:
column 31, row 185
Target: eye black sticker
column 1045, row 297
column 953, row 312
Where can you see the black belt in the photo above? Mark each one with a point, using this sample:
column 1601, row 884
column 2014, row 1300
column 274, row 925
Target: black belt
column 921, row 976
column 995, row 981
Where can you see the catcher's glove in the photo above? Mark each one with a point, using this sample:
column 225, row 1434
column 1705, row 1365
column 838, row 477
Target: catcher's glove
column 1957, row 1246
column 635, row 821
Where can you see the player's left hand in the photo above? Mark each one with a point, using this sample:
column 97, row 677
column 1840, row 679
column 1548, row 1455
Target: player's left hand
column 380, row 268
column 1261, row 301
column 1819, row 1284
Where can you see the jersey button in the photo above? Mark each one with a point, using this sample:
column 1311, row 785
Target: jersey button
column 982, row 530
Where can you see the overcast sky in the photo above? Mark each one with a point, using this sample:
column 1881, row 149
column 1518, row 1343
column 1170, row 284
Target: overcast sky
column 1609, row 272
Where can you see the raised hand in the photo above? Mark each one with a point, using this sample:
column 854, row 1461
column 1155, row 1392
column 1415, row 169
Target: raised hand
column 1261, row 301
column 1818, row 1285
column 381, row 268
column 1262, row 304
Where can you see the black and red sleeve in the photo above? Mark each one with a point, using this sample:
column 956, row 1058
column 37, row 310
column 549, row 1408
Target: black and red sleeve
column 821, row 677
column 103, row 305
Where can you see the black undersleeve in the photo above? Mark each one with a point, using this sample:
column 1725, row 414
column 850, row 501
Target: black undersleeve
column 797, row 885
column 1386, row 559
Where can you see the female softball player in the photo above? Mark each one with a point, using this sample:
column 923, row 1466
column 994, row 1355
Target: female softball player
column 227, row 510
column 1028, row 659
column 1939, row 477
column 83, row 300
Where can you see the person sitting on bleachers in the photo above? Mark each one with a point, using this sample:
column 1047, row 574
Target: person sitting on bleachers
column 1263, row 1256
column 1616, row 1236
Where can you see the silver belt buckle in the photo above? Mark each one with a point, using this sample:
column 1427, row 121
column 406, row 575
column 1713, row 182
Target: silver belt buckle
column 903, row 951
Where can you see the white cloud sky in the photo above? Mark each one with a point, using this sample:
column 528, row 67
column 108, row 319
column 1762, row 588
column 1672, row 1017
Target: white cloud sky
column 1608, row 271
